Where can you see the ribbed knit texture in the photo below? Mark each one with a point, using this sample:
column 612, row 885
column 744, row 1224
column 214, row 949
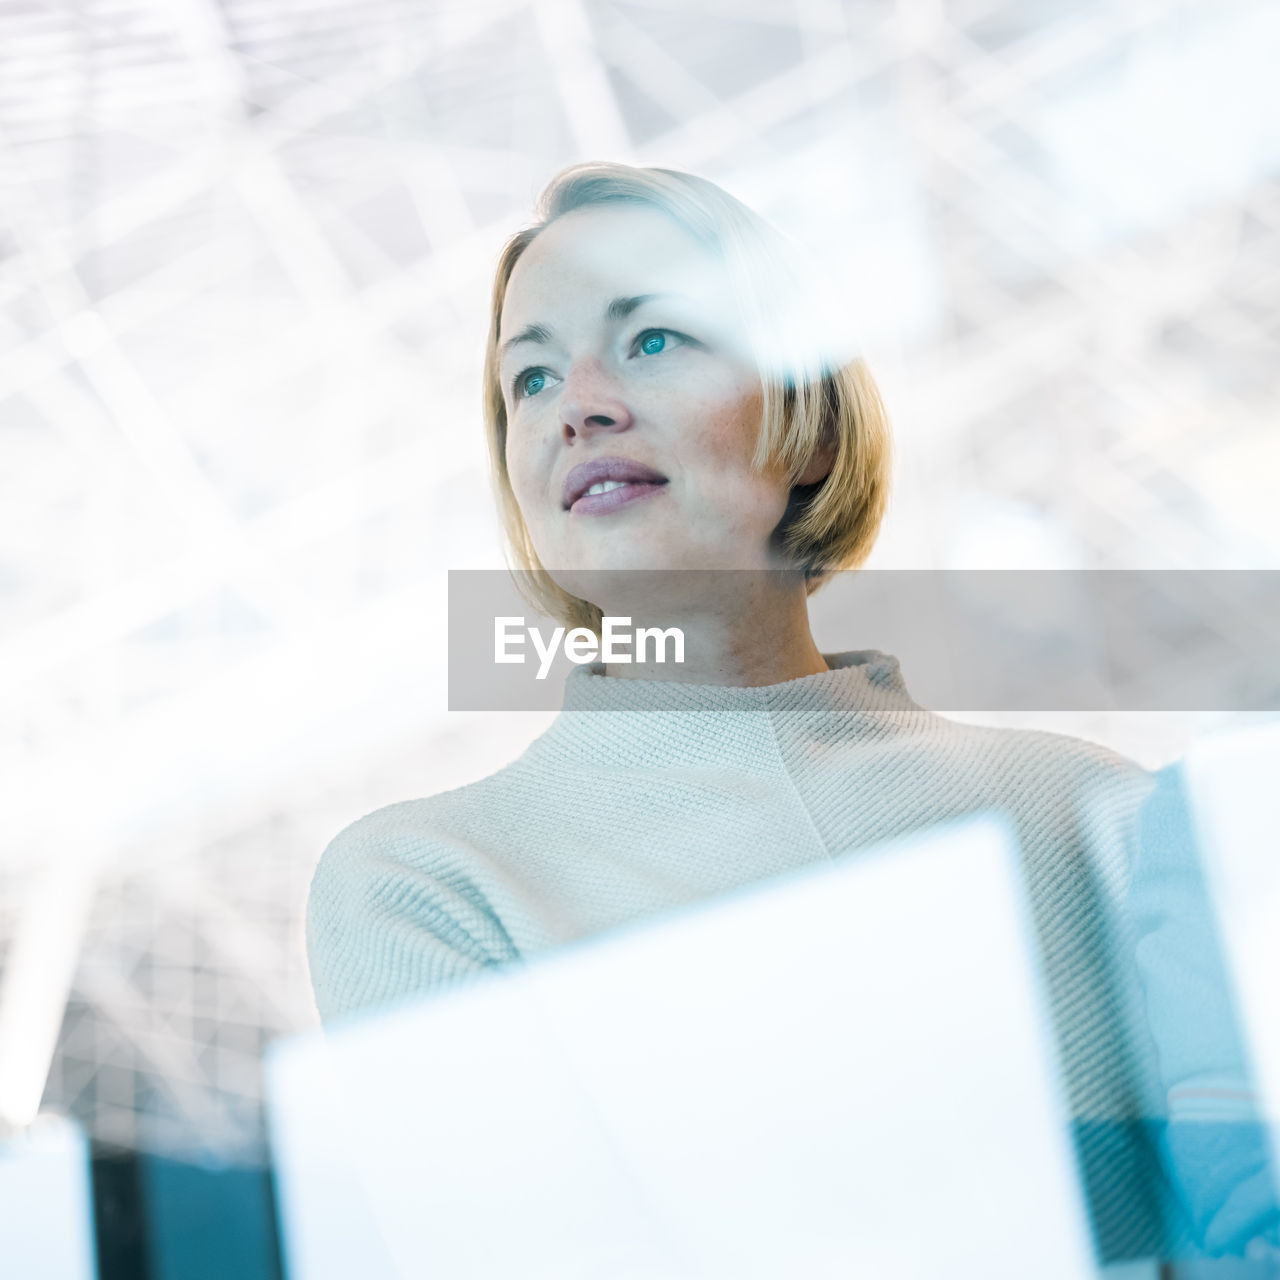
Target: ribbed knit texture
column 620, row 810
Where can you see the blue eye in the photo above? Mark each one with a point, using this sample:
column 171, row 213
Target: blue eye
column 530, row 382
column 652, row 342
column 649, row 342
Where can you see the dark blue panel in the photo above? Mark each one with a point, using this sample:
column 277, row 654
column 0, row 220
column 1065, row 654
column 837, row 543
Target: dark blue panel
column 119, row 1216
column 209, row 1222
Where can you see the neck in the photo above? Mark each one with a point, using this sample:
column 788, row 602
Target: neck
column 760, row 636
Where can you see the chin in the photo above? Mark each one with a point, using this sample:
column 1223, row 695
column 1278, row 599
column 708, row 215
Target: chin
column 624, row 553
column 593, row 580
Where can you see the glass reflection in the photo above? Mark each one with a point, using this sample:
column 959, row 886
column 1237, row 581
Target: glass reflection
column 1212, row 1136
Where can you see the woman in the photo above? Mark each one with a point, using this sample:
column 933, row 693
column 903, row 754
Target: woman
column 649, row 337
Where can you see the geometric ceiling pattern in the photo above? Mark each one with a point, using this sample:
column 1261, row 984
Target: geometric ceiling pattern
column 245, row 249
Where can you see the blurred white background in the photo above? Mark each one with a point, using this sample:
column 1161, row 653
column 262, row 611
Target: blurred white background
column 245, row 253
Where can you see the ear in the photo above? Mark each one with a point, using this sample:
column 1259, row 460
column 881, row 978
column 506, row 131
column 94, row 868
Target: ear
column 819, row 465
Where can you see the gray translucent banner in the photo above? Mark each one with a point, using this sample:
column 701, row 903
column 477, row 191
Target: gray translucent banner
column 966, row 640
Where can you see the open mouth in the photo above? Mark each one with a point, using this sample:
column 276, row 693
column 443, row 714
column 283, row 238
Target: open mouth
column 609, row 495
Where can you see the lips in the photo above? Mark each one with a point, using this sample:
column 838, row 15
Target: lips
column 585, row 474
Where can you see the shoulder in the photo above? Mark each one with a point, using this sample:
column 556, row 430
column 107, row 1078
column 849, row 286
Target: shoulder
column 362, row 861
column 397, row 904
column 430, row 836
column 1076, row 803
column 1098, row 787
column 1102, row 783
column 1048, row 763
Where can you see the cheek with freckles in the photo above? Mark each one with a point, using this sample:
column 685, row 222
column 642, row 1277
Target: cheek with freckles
column 531, row 487
column 718, row 457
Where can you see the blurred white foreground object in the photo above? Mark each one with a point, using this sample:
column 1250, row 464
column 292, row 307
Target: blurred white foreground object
column 846, row 1071
column 1233, row 782
column 46, row 1203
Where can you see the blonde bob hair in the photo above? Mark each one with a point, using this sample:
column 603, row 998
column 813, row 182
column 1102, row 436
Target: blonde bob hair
column 813, row 396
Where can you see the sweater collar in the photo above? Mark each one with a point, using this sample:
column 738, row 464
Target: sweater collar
column 861, row 696
column 858, row 679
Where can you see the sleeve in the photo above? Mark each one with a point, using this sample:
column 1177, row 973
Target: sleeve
column 391, row 914
column 1215, row 1145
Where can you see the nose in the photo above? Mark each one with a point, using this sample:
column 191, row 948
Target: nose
column 590, row 401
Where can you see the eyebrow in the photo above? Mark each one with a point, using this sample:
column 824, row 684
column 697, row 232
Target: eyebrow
column 618, row 309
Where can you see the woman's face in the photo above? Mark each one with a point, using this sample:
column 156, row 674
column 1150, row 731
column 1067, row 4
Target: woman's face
column 621, row 341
